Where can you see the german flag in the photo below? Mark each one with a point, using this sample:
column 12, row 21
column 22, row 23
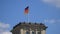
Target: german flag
column 26, row 10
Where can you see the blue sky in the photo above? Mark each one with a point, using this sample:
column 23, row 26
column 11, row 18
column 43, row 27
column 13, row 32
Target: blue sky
column 45, row 11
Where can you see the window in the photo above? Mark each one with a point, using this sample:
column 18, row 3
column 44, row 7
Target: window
column 39, row 32
column 32, row 32
column 27, row 32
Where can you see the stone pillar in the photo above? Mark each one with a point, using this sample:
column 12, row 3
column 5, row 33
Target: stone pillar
column 24, row 32
column 43, row 32
column 36, row 32
column 21, row 31
column 30, row 32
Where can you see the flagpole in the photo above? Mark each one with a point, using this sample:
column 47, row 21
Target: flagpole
column 27, row 17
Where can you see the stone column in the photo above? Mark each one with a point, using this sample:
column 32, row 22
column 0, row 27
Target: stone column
column 21, row 31
column 30, row 32
column 43, row 32
column 36, row 32
column 24, row 32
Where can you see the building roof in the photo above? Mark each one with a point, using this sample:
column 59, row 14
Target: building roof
column 30, row 24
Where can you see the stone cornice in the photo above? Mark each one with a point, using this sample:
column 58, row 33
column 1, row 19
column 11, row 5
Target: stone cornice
column 30, row 25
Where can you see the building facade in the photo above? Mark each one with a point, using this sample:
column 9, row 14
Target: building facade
column 29, row 28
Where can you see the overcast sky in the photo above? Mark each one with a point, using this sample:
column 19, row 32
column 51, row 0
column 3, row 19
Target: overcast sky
column 45, row 11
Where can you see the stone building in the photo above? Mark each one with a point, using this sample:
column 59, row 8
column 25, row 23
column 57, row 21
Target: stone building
column 29, row 28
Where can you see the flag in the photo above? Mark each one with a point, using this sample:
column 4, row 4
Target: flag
column 26, row 10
